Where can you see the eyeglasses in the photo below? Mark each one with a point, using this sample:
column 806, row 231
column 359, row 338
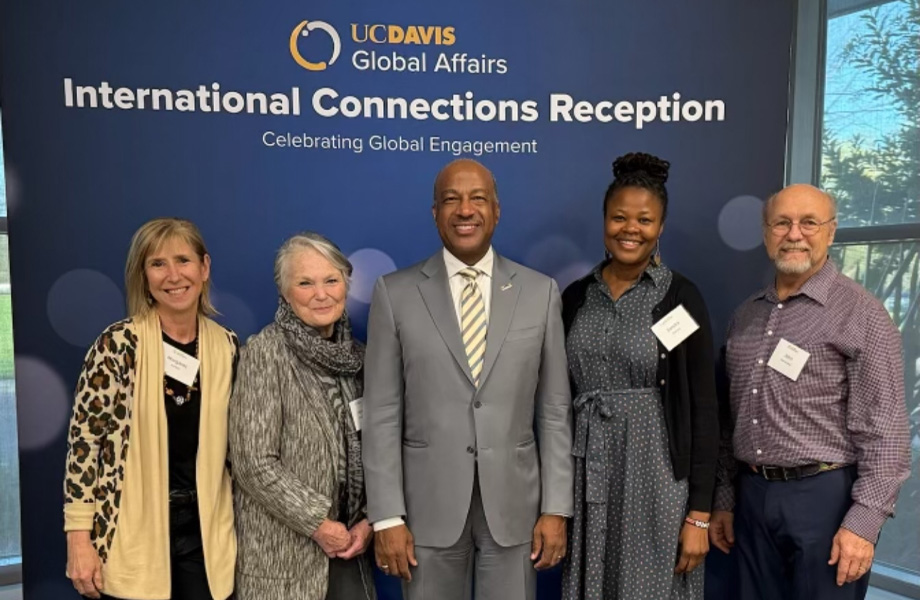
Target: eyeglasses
column 806, row 226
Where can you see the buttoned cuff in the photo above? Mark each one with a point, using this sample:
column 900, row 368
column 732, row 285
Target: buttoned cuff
column 387, row 523
column 724, row 498
column 864, row 521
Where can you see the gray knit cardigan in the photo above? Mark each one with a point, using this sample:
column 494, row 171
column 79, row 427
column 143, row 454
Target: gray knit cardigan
column 284, row 456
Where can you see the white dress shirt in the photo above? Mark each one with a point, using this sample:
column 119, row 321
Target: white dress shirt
column 457, row 282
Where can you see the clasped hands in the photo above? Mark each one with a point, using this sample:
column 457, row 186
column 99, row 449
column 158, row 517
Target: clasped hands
column 337, row 541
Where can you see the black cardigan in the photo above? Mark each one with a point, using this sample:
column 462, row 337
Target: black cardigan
column 686, row 376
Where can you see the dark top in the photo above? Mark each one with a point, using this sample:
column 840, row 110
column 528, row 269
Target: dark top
column 686, row 377
column 610, row 345
column 182, row 424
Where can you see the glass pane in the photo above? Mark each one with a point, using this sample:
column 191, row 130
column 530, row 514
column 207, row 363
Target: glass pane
column 891, row 271
column 9, row 451
column 871, row 128
column 2, row 179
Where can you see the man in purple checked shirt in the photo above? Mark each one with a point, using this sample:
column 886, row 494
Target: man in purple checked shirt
column 816, row 446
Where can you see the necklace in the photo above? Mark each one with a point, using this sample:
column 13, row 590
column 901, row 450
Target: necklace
column 182, row 398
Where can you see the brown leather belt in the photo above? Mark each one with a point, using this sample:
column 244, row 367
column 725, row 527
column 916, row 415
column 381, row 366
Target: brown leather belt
column 771, row 473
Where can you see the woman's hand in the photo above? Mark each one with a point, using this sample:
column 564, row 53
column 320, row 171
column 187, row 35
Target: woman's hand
column 694, row 544
column 83, row 564
column 361, row 535
column 332, row 537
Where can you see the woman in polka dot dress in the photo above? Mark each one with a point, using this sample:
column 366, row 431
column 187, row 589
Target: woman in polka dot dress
column 646, row 440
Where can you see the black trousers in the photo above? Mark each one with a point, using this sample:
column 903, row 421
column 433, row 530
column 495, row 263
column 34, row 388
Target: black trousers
column 189, row 579
column 783, row 536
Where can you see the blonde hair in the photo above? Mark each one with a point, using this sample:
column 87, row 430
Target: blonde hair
column 148, row 239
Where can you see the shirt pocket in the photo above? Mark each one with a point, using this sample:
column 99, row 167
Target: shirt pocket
column 817, row 392
column 825, row 371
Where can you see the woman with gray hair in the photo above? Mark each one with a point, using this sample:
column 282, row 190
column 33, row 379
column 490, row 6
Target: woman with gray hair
column 301, row 511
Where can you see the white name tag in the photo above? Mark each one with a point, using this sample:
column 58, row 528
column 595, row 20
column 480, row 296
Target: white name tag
column 180, row 366
column 675, row 327
column 788, row 359
column 357, row 411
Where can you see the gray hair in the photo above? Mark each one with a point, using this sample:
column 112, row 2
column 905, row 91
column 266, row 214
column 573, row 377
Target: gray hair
column 309, row 240
column 769, row 201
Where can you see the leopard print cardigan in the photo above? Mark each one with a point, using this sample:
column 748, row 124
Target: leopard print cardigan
column 97, row 443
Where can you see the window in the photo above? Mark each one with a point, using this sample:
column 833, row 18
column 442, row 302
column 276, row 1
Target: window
column 10, row 552
column 855, row 131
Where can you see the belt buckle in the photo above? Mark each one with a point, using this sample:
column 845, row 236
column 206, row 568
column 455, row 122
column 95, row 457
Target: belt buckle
column 182, row 497
column 767, row 472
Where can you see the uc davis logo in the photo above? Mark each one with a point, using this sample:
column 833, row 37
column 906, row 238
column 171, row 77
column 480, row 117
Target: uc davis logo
column 304, row 29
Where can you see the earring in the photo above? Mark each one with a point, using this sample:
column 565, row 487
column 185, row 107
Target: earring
column 607, row 255
column 656, row 258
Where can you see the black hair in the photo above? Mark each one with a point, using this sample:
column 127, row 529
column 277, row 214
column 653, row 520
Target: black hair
column 641, row 170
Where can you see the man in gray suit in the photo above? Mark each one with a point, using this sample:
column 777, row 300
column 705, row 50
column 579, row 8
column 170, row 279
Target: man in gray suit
column 467, row 416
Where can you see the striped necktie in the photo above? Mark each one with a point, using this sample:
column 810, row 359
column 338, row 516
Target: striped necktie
column 473, row 322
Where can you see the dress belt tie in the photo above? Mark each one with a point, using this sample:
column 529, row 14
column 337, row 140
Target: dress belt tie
column 590, row 441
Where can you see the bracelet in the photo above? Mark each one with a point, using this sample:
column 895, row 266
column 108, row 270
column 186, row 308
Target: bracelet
column 697, row 523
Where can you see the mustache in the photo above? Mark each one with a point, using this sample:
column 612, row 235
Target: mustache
column 794, row 247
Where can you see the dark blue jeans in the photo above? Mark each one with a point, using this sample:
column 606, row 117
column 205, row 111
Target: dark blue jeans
column 783, row 536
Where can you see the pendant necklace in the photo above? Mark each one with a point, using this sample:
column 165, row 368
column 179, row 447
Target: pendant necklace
column 177, row 398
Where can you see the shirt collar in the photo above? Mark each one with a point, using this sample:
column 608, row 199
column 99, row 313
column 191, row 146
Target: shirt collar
column 652, row 272
column 454, row 265
column 817, row 287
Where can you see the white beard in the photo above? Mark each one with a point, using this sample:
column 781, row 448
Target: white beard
column 793, row 267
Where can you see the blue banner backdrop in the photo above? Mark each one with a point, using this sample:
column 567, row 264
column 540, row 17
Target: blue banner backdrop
column 257, row 122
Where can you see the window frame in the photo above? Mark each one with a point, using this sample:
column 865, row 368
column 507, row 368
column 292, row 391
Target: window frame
column 11, row 574
column 803, row 162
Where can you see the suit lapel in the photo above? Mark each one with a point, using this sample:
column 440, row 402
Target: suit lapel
column 435, row 292
column 504, row 299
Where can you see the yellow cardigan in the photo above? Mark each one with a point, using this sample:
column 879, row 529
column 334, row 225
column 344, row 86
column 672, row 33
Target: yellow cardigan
column 117, row 462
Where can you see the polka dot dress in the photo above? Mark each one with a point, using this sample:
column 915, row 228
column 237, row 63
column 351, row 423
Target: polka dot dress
column 629, row 509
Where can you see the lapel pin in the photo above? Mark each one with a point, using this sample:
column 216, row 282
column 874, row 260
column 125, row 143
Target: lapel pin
column 507, row 286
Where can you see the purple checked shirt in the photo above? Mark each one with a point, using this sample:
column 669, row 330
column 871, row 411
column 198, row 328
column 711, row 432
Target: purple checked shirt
column 847, row 405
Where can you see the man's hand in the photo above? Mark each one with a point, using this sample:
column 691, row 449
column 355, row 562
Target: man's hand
column 83, row 564
column 361, row 535
column 395, row 551
column 722, row 530
column 548, row 541
column 852, row 555
column 694, row 544
column 332, row 537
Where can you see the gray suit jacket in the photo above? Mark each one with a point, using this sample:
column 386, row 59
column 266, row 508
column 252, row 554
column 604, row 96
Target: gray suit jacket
column 426, row 425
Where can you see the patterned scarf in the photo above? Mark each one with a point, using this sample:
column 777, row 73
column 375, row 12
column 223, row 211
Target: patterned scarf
column 335, row 362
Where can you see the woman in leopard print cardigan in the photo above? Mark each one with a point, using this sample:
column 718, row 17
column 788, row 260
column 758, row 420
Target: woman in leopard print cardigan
column 147, row 496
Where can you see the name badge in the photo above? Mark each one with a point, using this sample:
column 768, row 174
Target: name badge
column 675, row 327
column 788, row 359
column 357, row 411
column 180, row 366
